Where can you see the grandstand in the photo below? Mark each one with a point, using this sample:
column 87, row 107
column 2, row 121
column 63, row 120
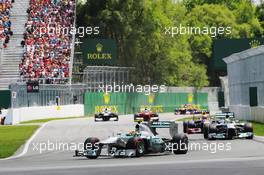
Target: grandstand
column 32, row 54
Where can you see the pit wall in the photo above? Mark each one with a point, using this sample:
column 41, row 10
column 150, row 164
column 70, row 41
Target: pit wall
column 244, row 112
column 17, row 115
column 129, row 103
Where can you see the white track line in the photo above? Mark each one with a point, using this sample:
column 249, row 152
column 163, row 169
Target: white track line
column 25, row 150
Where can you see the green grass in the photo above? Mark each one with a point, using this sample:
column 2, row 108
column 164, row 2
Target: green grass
column 258, row 128
column 184, row 119
column 12, row 137
column 46, row 120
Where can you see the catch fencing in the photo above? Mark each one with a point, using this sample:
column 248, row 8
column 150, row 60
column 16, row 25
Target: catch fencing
column 47, row 95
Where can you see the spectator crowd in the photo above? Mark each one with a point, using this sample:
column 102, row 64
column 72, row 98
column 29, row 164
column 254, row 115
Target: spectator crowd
column 5, row 23
column 47, row 50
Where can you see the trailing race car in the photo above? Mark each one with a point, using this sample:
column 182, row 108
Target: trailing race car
column 195, row 125
column 146, row 116
column 224, row 126
column 189, row 109
column 105, row 115
column 144, row 140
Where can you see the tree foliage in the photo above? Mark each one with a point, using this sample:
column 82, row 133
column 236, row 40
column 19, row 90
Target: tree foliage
column 138, row 28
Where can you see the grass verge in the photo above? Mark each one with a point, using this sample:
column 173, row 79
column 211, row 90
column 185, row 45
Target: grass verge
column 184, row 119
column 12, row 137
column 47, row 120
column 258, row 128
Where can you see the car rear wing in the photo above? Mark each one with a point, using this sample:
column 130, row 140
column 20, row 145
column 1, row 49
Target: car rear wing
column 173, row 126
column 225, row 114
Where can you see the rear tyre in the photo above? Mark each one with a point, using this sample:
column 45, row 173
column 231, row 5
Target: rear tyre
column 135, row 117
column 248, row 128
column 205, row 130
column 105, row 118
column 180, row 144
column 117, row 118
column 185, row 127
column 95, row 117
column 92, row 143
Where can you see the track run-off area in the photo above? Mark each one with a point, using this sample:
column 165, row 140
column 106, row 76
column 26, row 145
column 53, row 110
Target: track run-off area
column 45, row 154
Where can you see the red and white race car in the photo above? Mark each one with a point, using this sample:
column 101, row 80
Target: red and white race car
column 146, row 115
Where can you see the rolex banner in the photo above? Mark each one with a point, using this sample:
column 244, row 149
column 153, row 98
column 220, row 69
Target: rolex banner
column 99, row 52
column 129, row 103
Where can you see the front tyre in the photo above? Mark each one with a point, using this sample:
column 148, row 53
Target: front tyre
column 180, row 144
column 140, row 148
column 137, row 145
column 92, row 143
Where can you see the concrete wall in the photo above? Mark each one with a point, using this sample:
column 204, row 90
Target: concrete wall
column 244, row 112
column 17, row 115
column 257, row 113
column 245, row 70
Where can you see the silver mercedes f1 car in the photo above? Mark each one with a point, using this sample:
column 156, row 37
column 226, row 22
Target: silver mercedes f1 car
column 225, row 126
column 144, row 140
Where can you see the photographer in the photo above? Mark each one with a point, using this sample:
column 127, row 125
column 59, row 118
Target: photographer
column 2, row 118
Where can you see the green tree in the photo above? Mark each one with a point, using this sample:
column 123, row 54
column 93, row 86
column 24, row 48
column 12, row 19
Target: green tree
column 210, row 16
column 138, row 28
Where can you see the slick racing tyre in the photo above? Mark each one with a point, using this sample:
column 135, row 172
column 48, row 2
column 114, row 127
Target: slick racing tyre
column 140, row 148
column 92, row 143
column 212, row 129
column 231, row 133
column 205, row 130
column 105, row 118
column 95, row 117
column 117, row 118
column 180, row 144
column 137, row 145
column 185, row 127
column 248, row 128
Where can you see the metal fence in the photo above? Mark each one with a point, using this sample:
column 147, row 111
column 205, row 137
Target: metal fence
column 96, row 76
column 47, row 95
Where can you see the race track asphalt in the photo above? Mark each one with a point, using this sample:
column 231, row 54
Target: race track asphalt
column 238, row 157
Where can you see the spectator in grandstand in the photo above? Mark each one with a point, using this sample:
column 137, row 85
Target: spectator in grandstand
column 5, row 23
column 47, row 45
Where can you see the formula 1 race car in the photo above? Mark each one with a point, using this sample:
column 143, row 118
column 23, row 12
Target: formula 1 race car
column 105, row 115
column 195, row 125
column 224, row 126
column 146, row 116
column 144, row 140
column 189, row 109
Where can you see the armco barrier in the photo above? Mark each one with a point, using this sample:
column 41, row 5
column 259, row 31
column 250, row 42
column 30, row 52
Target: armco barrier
column 17, row 115
column 127, row 103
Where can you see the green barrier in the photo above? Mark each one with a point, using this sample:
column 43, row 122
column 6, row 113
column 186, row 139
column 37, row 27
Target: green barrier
column 128, row 103
column 5, row 99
